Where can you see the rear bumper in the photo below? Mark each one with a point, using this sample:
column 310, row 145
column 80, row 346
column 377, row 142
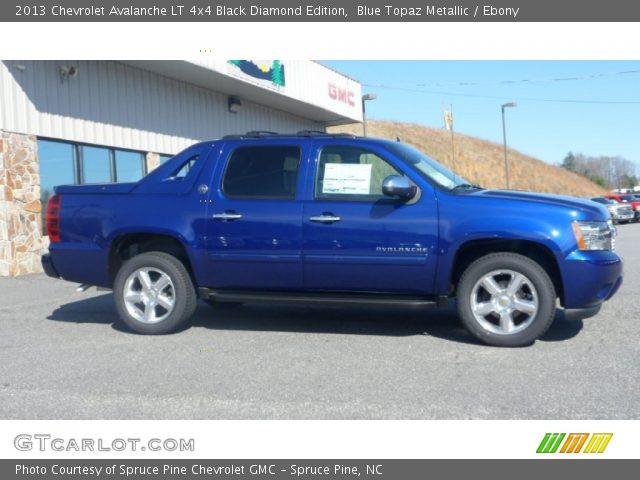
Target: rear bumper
column 590, row 278
column 47, row 265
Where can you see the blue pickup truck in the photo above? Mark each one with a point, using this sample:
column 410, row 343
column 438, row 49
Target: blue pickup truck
column 336, row 219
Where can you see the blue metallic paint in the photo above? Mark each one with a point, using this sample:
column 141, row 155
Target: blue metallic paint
column 275, row 246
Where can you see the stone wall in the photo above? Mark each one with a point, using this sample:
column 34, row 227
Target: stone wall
column 21, row 241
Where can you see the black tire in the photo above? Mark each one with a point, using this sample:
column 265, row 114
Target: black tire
column 180, row 292
column 537, row 289
column 222, row 305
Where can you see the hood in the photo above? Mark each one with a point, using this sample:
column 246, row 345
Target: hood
column 572, row 203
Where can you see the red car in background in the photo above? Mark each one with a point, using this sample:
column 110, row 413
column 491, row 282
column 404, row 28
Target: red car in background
column 630, row 199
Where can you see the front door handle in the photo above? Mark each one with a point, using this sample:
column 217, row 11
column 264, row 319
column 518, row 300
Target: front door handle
column 227, row 216
column 325, row 218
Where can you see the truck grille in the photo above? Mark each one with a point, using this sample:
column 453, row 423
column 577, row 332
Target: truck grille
column 626, row 210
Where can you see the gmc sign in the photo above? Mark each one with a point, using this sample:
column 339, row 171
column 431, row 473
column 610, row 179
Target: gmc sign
column 342, row 95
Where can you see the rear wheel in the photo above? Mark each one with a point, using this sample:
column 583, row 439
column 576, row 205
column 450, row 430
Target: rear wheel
column 506, row 299
column 154, row 294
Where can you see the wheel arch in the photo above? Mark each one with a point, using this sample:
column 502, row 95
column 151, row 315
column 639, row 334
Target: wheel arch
column 471, row 250
column 128, row 245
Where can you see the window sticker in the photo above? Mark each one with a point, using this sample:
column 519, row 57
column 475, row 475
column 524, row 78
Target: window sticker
column 354, row 179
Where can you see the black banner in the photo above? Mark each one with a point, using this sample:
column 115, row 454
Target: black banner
column 317, row 469
column 320, row 11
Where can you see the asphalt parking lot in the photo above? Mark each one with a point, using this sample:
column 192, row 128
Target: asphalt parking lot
column 62, row 357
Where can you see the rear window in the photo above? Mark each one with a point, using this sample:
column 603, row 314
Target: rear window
column 185, row 167
column 262, row 172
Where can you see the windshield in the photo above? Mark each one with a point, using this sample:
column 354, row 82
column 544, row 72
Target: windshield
column 427, row 167
column 627, row 198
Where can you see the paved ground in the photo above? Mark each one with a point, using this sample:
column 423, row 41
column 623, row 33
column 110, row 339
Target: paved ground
column 62, row 357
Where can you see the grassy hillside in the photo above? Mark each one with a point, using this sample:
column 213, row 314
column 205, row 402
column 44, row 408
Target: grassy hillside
column 480, row 161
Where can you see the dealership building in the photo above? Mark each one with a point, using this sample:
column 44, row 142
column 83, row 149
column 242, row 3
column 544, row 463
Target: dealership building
column 73, row 122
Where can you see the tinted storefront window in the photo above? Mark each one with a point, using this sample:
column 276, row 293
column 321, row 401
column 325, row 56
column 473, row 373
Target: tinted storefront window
column 65, row 163
column 96, row 165
column 57, row 166
column 129, row 166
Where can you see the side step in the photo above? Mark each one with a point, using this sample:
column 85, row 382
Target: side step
column 327, row 298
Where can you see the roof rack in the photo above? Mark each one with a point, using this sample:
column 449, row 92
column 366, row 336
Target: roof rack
column 251, row 134
column 300, row 133
column 260, row 133
column 320, row 133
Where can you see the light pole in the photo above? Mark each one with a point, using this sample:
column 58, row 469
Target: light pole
column 504, row 137
column 365, row 98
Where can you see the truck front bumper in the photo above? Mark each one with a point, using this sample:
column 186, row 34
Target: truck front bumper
column 623, row 217
column 590, row 278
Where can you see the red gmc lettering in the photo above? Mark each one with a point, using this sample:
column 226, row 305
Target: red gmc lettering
column 341, row 95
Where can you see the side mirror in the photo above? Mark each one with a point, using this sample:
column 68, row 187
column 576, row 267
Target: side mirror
column 397, row 186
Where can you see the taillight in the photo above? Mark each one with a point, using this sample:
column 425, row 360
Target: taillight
column 53, row 218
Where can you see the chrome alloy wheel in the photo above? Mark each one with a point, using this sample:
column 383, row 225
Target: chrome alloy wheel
column 504, row 302
column 149, row 295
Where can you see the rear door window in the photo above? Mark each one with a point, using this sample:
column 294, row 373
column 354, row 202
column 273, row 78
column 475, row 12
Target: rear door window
column 262, row 172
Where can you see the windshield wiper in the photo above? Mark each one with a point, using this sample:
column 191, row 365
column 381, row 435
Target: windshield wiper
column 466, row 186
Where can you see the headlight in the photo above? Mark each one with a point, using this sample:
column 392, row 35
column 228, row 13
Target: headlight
column 593, row 235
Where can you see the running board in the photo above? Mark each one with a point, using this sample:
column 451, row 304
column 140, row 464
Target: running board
column 327, row 298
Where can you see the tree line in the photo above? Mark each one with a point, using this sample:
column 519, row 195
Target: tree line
column 608, row 172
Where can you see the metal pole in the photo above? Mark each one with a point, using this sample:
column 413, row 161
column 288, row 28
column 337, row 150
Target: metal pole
column 368, row 96
column 504, row 138
column 364, row 117
column 504, row 141
column 453, row 151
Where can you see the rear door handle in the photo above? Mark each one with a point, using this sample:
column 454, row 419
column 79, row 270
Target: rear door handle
column 227, row 216
column 325, row 218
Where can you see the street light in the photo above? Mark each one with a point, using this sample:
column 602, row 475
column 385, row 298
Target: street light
column 504, row 137
column 365, row 98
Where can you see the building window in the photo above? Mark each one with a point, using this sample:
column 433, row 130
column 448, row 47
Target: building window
column 129, row 166
column 164, row 158
column 57, row 167
column 65, row 163
column 96, row 165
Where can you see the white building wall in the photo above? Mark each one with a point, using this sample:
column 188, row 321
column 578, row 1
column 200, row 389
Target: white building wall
column 306, row 81
column 110, row 103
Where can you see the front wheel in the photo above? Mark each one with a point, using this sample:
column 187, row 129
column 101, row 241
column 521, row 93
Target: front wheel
column 506, row 299
column 154, row 294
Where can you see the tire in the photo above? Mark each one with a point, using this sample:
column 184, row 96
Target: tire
column 222, row 305
column 165, row 304
column 506, row 300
